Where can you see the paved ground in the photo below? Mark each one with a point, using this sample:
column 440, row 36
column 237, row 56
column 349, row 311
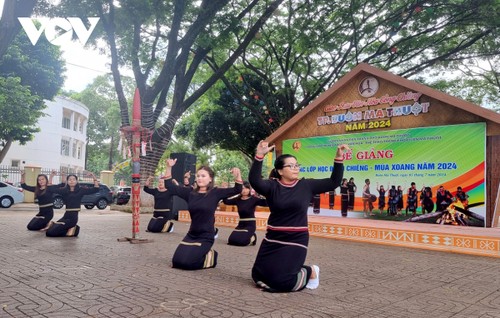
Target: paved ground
column 94, row 275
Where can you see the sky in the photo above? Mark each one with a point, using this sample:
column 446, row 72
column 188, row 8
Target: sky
column 83, row 64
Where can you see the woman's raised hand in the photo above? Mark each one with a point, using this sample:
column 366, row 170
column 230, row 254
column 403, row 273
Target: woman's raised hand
column 170, row 162
column 236, row 174
column 341, row 149
column 263, row 148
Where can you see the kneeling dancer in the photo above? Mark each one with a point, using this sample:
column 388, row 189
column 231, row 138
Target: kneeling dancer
column 195, row 250
column 161, row 221
column 72, row 194
column 244, row 233
column 279, row 266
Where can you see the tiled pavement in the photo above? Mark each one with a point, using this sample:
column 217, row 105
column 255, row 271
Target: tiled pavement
column 94, row 275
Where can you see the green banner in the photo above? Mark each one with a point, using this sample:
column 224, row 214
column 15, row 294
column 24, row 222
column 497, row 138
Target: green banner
column 450, row 156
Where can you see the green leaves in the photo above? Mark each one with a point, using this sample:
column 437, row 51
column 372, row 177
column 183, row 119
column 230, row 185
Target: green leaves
column 20, row 111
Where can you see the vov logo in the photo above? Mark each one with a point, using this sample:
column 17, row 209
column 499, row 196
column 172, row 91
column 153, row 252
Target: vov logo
column 58, row 31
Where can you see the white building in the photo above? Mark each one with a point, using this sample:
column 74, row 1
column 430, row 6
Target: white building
column 60, row 144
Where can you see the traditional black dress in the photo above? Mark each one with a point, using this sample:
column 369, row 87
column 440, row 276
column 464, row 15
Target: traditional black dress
column 161, row 221
column 45, row 206
column 279, row 265
column 393, row 202
column 331, row 199
column 195, row 250
column 412, row 200
column 443, row 200
column 400, row 199
column 67, row 225
column 426, row 201
column 344, row 193
column 352, row 195
column 381, row 199
column 244, row 233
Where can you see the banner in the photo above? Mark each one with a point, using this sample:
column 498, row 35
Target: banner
column 449, row 156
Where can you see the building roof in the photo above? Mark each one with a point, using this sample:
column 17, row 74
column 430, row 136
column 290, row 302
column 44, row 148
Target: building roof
column 485, row 113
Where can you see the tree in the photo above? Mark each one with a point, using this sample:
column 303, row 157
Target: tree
column 20, row 112
column 306, row 46
column 225, row 123
column 165, row 43
column 103, row 130
column 9, row 26
column 29, row 74
column 225, row 160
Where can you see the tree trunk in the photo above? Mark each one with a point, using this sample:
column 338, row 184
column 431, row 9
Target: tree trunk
column 110, row 160
column 5, row 149
column 9, row 26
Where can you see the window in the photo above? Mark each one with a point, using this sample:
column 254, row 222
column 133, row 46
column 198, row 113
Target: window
column 15, row 163
column 73, row 151
column 65, row 147
column 75, row 125
column 79, row 152
column 81, row 126
column 66, row 123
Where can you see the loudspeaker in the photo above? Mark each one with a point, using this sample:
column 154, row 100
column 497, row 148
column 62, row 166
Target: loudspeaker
column 185, row 162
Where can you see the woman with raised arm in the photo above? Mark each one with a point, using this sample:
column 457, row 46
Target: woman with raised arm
column 279, row 265
column 244, row 233
column 72, row 195
column 195, row 250
column 45, row 197
column 161, row 222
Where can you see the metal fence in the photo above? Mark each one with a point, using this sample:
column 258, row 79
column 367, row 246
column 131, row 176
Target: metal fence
column 12, row 175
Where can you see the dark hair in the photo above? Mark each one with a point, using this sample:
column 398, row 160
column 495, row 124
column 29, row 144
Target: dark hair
column 39, row 191
column 367, row 180
column 77, row 186
column 279, row 164
column 413, row 183
column 211, row 173
column 247, row 185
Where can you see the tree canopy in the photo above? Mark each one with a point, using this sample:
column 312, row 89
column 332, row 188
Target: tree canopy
column 28, row 75
column 306, row 46
column 290, row 50
column 166, row 43
column 9, row 26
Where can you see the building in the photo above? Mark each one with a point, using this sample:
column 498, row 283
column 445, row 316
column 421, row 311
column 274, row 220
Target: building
column 61, row 142
column 400, row 132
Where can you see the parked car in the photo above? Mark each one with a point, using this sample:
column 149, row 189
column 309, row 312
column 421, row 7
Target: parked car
column 10, row 195
column 100, row 199
column 122, row 198
column 121, row 195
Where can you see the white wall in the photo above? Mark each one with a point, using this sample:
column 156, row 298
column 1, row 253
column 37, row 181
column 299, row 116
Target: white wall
column 45, row 149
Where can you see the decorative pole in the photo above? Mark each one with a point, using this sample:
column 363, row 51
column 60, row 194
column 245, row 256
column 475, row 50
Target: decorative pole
column 135, row 132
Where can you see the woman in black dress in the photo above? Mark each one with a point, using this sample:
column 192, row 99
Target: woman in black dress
column 426, row 200
column 161, row 222
column 244, row 233
column 195, row 250
column 72, row 195
column 344, row 193
column 45, row 197
column 352, row 193
column 381, row 198
column 400, row 199
column 411, row 200
column 279, row 265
